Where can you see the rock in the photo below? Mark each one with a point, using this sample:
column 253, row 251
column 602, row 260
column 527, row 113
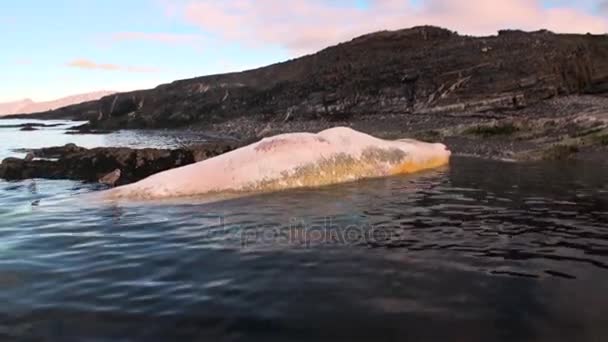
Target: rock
column 112, row 165
column 111, row 178
column 264, row 131
column 13, row 168
column 28, row 128
column 88, row 131
column 31, row 125
column 52, row 152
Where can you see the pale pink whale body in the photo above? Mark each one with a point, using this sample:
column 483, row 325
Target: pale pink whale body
column 290, row 160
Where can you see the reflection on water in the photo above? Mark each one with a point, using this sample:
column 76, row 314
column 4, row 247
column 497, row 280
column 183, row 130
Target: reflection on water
column 479, row 251
column 482, row 250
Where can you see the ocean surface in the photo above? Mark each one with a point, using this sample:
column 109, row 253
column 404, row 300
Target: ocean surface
column 477, row 251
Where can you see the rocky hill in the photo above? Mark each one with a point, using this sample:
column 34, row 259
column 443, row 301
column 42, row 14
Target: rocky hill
column 422, row 70
column 29, row 106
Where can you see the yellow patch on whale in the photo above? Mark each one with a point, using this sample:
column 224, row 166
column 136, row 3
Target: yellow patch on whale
column 412, row 166
column 337, row 169
column 374, row 162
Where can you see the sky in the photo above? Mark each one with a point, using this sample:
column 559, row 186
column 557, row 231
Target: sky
column 55, row 48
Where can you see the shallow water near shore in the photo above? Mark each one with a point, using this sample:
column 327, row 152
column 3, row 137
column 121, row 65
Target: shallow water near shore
column 12, row 138
column 481, row 250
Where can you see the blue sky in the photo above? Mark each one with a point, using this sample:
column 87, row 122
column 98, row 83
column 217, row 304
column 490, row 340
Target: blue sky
column 56, row 48
column 41, row 37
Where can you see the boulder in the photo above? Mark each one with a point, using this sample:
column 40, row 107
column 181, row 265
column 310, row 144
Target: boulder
column 93, row 165
column 111, row 178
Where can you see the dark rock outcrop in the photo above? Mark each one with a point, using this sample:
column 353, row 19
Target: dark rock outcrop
column 86, row 129
column 28, row 128
column 413, row 71
column 31, row 125
column 78, row 163
column 54, row 152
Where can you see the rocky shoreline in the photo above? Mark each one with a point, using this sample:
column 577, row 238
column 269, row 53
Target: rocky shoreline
column 30, row 126
column 559, row 128
column 91, row 165
column 572, row 125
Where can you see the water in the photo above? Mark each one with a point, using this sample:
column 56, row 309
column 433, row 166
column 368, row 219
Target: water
column 481, row 250
column 13, row 138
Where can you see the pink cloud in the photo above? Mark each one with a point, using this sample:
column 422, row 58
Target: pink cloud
column 87, row 64
column 91, row 65
column 303, row 26
column 167, row 38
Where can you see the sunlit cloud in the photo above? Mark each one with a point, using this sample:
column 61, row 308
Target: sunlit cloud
column 91, row 65
column 302, row 26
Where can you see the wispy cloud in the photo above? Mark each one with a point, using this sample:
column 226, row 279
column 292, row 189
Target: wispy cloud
column 166, row 38
column 306, row 25
column 87, row 64
column 23, row 61
column 91, row 65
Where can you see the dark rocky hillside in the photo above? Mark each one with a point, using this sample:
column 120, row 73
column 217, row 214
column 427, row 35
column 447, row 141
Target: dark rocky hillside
column 422, row 70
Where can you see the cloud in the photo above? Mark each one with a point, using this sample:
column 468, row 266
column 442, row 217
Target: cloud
column 603, row 6
column 166, row 38
column 91, row 65
column 87, row 64
column 303, row 26
column 23, row 61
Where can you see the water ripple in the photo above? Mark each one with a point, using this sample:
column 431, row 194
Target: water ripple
column 479, row 235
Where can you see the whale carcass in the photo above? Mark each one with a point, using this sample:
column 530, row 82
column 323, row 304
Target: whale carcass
column 288, row 161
